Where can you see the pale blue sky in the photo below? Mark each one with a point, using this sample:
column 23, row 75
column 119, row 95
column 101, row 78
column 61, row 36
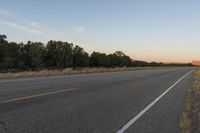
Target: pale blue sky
column 151, row 30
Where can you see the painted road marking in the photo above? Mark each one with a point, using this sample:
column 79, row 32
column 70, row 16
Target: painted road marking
column 134, row 119
column 36, row 95
column 27, row 79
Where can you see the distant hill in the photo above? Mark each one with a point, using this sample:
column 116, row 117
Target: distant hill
column 196, row 62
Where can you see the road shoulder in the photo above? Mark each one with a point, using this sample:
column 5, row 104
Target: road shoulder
column 190, row 119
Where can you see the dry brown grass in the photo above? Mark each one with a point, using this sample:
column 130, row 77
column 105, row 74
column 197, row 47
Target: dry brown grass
column 69, row 71
column 190, row 120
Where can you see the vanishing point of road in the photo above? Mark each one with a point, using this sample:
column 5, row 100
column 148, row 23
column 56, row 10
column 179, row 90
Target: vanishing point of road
column 145, row 101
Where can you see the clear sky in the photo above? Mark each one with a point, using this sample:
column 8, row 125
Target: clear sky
column 150, row 30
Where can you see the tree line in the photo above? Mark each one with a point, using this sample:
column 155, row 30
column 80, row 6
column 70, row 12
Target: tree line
column 58, row 55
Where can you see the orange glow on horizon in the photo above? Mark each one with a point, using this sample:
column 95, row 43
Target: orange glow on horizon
column 196, row 62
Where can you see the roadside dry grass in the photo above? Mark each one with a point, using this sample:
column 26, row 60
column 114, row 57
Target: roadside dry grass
column 69, row 71
column 190, row 119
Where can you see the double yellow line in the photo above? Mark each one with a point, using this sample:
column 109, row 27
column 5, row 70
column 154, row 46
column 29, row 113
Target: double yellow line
column 34, row 96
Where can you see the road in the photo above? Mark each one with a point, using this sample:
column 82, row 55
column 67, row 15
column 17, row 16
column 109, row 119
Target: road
column 95, row 103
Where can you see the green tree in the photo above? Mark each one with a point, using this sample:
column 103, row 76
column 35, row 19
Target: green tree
column 3, row 43
column 58, row 54
column 80, row 57
column 9, row 53
column 12, row 56
column 98, row 59
column 33, row 53
column 119, row 59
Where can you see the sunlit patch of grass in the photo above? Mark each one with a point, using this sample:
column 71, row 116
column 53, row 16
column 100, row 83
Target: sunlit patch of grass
column 190, row 119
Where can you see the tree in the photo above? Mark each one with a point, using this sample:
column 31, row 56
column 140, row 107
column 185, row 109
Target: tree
column 10, row 55
column 98, row 59
column 58, row 54
column 3, row 42
column 119, row 59
column 33, row 53
column 3, row 38
column 68, row 54
column 80, row 57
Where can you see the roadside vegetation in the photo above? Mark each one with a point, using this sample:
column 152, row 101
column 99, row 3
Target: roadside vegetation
column 190, row 120
column 58, row 55
column 70, row 71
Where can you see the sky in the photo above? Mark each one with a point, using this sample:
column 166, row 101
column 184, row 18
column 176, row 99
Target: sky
column 149, row 30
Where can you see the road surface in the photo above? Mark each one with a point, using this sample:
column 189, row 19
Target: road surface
column 146, row 101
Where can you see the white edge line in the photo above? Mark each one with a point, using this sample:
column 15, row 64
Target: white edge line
column 134, row 119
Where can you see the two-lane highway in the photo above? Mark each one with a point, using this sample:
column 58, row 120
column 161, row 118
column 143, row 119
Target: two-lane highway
column 146, row 101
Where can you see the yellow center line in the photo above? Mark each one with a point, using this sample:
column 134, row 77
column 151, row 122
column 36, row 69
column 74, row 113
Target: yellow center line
column 34, row 96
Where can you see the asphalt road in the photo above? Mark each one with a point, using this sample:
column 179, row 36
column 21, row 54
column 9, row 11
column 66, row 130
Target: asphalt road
column 95, row 103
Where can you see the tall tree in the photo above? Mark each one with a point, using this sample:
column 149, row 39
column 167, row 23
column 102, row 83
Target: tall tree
column 33, row 53
column 58, row 54
column 3, row 42
column 98, row 59
column 3, row 45
column 80, row 57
